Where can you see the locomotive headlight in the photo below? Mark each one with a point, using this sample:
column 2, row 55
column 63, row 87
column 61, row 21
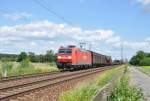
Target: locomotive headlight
column 69, row 57
column 59, row 57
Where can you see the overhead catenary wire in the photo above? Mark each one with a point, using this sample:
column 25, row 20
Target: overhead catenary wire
column 52, row 11
column 44, row 5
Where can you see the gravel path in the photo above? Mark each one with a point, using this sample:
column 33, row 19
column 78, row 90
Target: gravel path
column 141, row 80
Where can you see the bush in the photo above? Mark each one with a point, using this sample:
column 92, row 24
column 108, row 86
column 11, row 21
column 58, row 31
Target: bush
column 6, row 67
column 25, row 63
column 22, row 56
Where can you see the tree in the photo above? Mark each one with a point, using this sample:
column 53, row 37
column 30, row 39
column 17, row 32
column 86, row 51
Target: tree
column 145, row 62
column 50, row 56
column 8, row 57
column 32, row 57
column 148, row 55
column 134, row 61
column 140, row 58
column 140, row 55
column 22, row 56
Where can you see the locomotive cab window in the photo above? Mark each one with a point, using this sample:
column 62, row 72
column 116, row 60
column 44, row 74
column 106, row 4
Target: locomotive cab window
column 65, row 51
column 61, row 51
column 68, row 51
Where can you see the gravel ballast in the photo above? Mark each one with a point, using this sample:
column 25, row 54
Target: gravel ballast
column 52, row 93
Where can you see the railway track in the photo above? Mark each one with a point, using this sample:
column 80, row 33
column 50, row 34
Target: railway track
column 6, row 79
column 14, row 88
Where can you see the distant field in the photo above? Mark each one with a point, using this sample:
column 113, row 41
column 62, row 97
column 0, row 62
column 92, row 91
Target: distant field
column 35, row 68
column 146, row 67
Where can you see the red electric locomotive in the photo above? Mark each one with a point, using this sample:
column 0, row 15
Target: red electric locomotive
column 72, row 57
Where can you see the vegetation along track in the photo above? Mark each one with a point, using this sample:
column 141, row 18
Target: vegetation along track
column 22, row 86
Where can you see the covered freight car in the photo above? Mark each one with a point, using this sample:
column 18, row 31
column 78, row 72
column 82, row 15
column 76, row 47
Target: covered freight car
column 100, row 60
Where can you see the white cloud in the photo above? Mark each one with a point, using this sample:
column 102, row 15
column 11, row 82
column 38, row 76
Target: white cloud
column 147, row 39
column 94, row 35
column 144, row 2
column 34, row 34
column 42, row 35
column 130, row 45
column 135, row 45
column 145, row 5
column 45, row 29
column 16, row 15
column 114, row 39
column 33, row 44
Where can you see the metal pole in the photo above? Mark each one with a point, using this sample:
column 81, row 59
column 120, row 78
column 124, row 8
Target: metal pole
column 83, row 45
column 122, row 51
column 90, row 46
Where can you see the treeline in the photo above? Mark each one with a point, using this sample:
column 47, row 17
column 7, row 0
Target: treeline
column 9, row 57
column 31, row 56
column 141, row 59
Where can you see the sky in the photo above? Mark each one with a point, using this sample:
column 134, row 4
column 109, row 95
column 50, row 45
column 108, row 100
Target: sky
column 105, row 25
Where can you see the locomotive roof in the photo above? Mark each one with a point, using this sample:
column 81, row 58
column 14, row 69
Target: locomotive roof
column 72, row 46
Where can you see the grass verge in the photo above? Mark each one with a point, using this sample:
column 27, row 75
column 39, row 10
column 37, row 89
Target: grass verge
column 86, row 92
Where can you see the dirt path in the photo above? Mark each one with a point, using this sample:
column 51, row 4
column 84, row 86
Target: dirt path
column 141, row 80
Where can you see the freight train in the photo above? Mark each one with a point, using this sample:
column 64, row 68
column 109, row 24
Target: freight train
column 73, row 58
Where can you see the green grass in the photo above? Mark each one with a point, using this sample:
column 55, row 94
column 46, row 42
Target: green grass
column 146, row 67
column 82, row 93
column 45, row 67
column 124, row 92
column 34, row 68
column 87, row 91
column 23, row 71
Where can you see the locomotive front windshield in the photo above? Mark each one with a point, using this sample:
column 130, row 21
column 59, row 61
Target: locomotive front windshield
column 65, row 51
